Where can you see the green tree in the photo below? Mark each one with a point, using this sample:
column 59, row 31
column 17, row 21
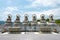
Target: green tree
column 47, row 19
column 38, row 20
column 57, row 21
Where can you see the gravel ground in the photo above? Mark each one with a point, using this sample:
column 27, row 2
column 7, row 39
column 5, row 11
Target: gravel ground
column 30, row 36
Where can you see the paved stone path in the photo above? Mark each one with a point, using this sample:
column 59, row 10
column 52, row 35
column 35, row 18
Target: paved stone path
column 30, row 36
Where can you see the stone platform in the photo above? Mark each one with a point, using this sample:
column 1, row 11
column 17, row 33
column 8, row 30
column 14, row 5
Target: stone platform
column 29, row 36
column 14, row 30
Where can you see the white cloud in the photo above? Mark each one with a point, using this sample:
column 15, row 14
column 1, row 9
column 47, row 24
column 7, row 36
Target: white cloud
column 51, row 3
column 43, row 2
column 55, row 12
column 8, row 10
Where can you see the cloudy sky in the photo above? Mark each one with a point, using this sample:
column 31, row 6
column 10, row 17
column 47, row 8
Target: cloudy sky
column 29, row 7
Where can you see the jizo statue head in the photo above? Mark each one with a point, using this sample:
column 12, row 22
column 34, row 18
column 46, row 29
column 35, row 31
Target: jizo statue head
column 9, row 16
column 17, row 16
column 26, row 17
column 42, row 16
column 51, row 16
column 34, row 17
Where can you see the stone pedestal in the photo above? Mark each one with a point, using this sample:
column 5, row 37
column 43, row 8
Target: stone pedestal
column 25, row 26
column 14, row 30
column 45, row 30
column 34, row 23
column 43, row 25
column 8, row 23
column 34, row 26
column 52, row 24
column 25, row 23
column 16, row 27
